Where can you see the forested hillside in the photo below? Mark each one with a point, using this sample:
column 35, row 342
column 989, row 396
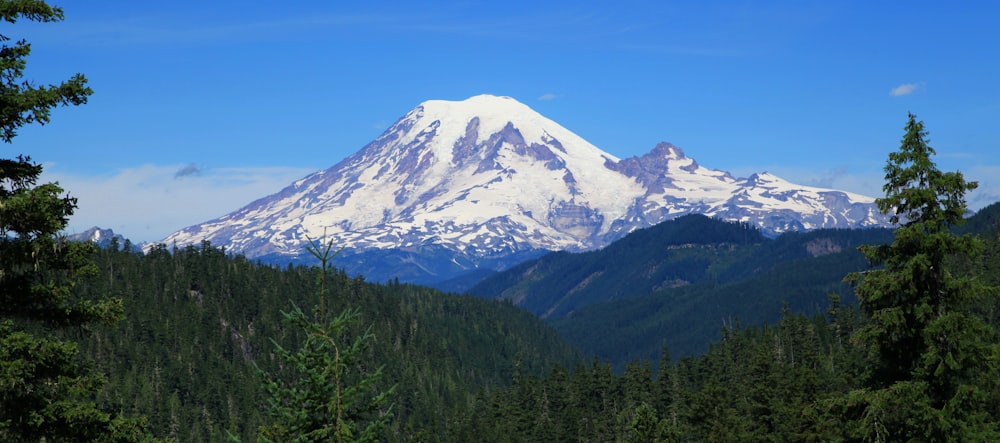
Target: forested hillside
column 677, row 252
column 677, row 283
column 797, row 271
column 794, row 379
column 198, row 321
column 760, row 383
column 688, row 318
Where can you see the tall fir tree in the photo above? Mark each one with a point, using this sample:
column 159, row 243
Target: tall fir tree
column 46, row 391
column 330, row 395
column 932, row 361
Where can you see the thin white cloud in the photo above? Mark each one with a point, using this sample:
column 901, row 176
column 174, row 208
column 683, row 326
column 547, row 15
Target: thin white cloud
column 904, row 89
column 988, row 191
column 547, row 97
column 148, row 202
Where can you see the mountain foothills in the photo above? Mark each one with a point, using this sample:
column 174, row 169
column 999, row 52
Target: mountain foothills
column 487, row 182
column 676, row 283
column 709, row 345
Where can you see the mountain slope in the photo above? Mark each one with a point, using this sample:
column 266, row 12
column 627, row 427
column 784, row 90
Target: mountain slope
column 487, row 181
column 797, row 270
column 198, row 323
column 677, row 252
column 688, row 251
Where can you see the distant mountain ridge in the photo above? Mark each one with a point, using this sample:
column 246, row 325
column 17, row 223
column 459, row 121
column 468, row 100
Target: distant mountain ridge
column 686, row 251
column 654, row 289
column 487, row 182
column 104, row 238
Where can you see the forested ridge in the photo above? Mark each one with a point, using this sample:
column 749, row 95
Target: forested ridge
column 687, row 318
column 674, row 284
column 780, row 381
column 198, row 320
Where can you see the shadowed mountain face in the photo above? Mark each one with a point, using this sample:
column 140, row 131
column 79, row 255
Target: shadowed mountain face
column 485, row 182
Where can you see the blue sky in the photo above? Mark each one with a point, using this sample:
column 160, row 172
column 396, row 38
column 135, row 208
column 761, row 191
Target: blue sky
column 201, row 107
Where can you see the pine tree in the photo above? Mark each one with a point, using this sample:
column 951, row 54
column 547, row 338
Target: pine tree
column 23, row 102
column 46, row 392
column 932, row 359
column 330, row 396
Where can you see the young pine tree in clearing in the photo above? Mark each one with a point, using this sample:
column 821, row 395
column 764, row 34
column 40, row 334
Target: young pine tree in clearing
column 933, row 362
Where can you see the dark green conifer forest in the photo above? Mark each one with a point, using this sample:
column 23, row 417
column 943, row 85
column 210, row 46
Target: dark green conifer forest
column 198, row 321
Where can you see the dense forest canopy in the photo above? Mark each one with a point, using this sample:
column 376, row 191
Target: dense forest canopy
column 199, row 321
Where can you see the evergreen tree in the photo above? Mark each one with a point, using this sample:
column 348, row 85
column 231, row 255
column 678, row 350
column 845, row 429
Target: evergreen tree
column 23, row 102
column 933, row 372
column 331, row 395
column 46, row 392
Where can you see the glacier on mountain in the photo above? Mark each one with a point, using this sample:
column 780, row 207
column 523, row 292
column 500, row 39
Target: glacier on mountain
column 488, row 177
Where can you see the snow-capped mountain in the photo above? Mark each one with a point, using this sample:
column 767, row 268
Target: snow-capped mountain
column 103, row 238
column 484, row 178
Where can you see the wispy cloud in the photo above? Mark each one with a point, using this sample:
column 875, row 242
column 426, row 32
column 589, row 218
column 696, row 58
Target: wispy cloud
column 547, row 97
column 148, row 202
column 187, row 171
column 829, row 178
column 988, row 191
column 904, row 89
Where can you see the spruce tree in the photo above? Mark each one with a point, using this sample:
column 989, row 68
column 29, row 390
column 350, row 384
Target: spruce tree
column 932, row 361
column 46, row 392
column 330, row 394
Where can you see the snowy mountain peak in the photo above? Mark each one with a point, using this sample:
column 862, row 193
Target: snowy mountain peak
column 470, row 122
column 668, row 151
column 488, row 177
column 487, row 107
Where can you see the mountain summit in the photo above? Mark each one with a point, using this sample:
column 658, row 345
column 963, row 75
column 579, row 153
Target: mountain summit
column 486, row 178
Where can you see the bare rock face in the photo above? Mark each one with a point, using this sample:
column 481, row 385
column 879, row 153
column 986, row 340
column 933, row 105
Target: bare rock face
column 485, row 180
column 823, row 246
